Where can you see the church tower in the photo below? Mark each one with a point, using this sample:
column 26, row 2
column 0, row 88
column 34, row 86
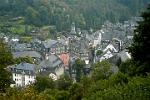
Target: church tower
column 73, row 28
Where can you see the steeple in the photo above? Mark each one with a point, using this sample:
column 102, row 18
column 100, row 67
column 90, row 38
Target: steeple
column 73, row 28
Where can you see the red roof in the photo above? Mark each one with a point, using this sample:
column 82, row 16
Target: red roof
column 64, row 57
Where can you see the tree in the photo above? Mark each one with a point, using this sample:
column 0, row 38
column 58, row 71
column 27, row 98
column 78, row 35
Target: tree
column 5, row 60
column 99, row 52
column 32, row 17
column 43, row 15
column 76, row 91
column 101, row 70
column 43, row 82
column 23, row 59
column 64, row 82
column 62, row 95
column 141, row 42
column 79, row 65
column 129, row 67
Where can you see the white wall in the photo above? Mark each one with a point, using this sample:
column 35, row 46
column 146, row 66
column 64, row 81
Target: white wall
column 59, row 71
column 18, row 79
column 107, row 55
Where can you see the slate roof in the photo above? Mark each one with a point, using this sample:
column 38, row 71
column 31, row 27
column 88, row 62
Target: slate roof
column 52, row 62
column 107, row 35
column 23, row 66
column 49, row 43
column 33, row 54
column 35, row 40
column 22, row 47
column 111, row 47
column 89, row 37
column 62, row 41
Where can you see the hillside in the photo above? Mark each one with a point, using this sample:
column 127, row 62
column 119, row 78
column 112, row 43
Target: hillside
column 61, row 13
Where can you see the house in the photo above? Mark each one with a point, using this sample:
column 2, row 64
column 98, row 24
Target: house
column 54, row 47
column 65, row 58
column 52, row 66
column 119, row 57
column 79, row 48
column 90, row 39
column 111, row 47
column 108, row 52
column 23, row 73
column 97, row 38
column 21, row 47
column 33, row 54
column 36, row 44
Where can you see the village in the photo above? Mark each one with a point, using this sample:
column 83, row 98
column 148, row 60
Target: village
column 56, row 57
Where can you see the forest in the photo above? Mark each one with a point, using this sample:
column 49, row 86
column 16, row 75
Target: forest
column 61, row 13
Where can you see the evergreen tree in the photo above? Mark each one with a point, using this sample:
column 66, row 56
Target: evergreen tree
column 5, row 60
column 141, row 43
column 79, row 65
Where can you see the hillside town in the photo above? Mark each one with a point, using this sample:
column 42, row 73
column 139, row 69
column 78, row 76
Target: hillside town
column 56, row 57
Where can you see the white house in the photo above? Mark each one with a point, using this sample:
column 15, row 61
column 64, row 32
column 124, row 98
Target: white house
column 108, row 52
column 111, row 47
column 23, row 74
column 106, row 55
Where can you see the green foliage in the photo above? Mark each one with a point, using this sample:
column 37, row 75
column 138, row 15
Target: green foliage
column 136, row 89
column 62, row 95
column 129, row 67
column 48, row 94
column 32, row 16
column 118, row 78
column 118, row 87
column 61, row 13
column 23, row 59
column 141, row 42
column 76, row 91
column 99, row 52
column 5, row 60
column 43, row 82
column 79, row 65
column 25, row 39
column 63, row 83
column 101, row 70
column 18, row 29
column 5, row 55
